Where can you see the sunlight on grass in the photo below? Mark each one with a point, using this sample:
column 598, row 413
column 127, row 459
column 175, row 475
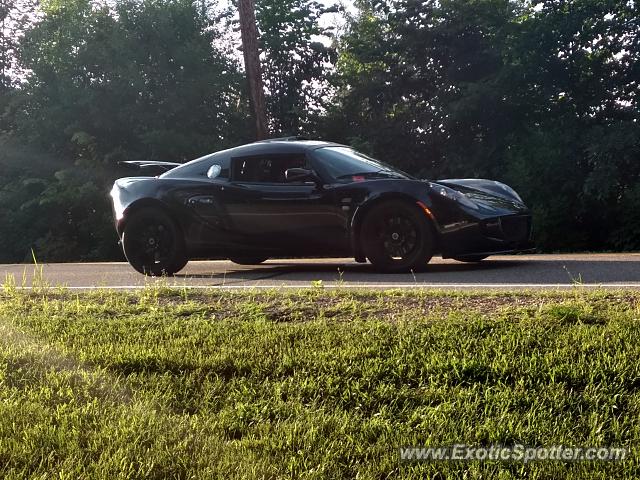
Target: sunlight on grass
column 315, row 383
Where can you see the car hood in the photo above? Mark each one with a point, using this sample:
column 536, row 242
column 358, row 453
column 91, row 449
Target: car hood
column 488, row 193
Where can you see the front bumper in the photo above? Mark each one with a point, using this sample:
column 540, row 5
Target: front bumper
column 490, row 236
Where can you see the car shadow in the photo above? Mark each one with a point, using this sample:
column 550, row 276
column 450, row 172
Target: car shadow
column 518, row 270
column 275, row 268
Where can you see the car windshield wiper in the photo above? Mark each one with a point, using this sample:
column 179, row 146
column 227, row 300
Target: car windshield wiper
column 378, row 173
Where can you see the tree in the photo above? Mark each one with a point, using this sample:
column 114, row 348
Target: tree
column 249, row 32
column 543, row 97
column 15, row 17
column 573, row 69
column 14, row 14
column 296, row 64
column 141, row 80
column 424, row 75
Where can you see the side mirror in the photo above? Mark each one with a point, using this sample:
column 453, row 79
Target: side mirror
column 214, row 171
column 300, row 175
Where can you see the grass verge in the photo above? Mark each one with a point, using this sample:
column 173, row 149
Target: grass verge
column 312, row 384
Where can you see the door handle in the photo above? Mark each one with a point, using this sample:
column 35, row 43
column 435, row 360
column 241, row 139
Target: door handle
column 202, row 201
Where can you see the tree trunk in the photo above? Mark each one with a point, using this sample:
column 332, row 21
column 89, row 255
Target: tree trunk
column 249, row 32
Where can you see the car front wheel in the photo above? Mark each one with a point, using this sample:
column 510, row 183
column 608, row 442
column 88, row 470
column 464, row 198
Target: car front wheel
column 153, row 243
column 397, row 237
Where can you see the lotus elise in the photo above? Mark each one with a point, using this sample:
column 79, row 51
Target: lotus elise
column 294, row 198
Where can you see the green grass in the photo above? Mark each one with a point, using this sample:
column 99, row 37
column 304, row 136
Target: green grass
column 312, row 384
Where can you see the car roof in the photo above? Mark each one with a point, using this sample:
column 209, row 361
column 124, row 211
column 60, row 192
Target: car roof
column 272, row 145
column 284, row 145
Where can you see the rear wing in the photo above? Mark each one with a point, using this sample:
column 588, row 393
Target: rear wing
column 149, row 166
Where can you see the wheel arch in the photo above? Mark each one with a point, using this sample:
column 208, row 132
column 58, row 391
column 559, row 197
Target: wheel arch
column 146, row 203
column 362, row 211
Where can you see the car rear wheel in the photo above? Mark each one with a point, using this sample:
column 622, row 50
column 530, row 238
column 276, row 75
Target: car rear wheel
column 153, row 243
column 471, row 258
column 397, row 237
column 248, row 260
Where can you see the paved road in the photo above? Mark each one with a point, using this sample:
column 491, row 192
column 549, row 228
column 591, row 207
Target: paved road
column 520, row 271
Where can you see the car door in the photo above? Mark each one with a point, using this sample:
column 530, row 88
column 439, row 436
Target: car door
column 200, row 196
column 289, row 217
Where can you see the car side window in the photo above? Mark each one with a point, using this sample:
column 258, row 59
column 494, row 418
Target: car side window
column 212, row 166
column 265, row 168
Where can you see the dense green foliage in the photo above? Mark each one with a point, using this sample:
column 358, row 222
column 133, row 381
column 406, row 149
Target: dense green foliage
column 294, row 65
column 312, row 384
column 144, row 81
column 542, row 96
column 544, row 99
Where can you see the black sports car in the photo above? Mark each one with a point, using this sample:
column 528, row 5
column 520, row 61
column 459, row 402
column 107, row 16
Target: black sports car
column 291, row 197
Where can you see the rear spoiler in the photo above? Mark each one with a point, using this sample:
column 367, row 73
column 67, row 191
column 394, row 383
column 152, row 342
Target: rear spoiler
column 149, row 165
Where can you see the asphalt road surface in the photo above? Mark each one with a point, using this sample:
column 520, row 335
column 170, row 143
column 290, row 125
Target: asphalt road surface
column 507, row 272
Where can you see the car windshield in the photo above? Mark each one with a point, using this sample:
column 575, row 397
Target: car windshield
column 345, row 164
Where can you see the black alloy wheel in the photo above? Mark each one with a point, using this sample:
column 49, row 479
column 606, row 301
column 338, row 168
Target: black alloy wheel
column 153, row 243
column 397, row 237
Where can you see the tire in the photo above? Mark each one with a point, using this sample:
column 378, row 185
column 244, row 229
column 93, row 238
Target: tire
column 180, row 265
column 471, row 258
column 153, row 243
column 248, row 260
column 397, row 237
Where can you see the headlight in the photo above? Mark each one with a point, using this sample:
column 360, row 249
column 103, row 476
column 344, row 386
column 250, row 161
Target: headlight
column 509, row 190
column 454, row 195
